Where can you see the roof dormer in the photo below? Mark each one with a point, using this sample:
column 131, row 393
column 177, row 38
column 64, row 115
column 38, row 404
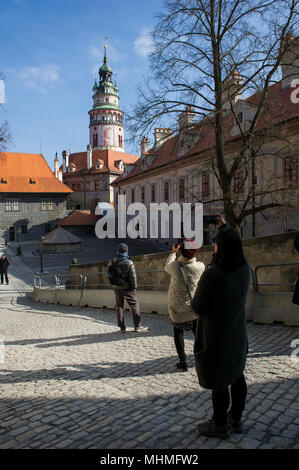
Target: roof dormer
column 99, row 164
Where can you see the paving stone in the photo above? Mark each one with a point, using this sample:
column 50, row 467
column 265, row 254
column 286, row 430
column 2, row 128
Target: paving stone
column 247, row 443
column 73, row 381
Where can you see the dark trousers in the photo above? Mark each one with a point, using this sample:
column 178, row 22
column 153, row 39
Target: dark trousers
column 131, row 297
column 178, row 334
column 4, row 274
column 221, row 401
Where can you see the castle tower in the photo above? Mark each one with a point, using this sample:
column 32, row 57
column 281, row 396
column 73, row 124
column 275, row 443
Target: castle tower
column 290, row 62
column 106, row 118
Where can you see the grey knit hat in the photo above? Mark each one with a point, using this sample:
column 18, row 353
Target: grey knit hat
column 122, row 249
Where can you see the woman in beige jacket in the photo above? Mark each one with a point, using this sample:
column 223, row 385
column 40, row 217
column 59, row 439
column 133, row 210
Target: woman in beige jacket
column 185, row 274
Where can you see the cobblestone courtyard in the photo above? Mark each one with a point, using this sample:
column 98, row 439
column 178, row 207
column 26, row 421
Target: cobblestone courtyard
column 71, row 380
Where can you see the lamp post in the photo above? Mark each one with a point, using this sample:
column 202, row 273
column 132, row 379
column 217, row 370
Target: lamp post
column 19, row 249
column 42, row 239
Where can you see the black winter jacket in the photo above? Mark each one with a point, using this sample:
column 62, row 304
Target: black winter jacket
column 4, row 263
column 128, row 277
column 221, row 343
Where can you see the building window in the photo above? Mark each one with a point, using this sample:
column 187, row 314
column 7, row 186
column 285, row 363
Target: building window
column 46, row 205
column 182, row 189
column 132, row 195
column 205, row 185
column 76, row 187
column 153, row 193
column 238, row 182
column 12, row 206
column 166, row 192
column 103, row 184
column 142, row 194
column 120, row 141
column 290, row 171
column 95, row 140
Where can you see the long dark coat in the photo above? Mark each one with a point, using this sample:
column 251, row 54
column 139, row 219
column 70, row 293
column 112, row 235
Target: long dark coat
column 4, row 263
column 221, row 343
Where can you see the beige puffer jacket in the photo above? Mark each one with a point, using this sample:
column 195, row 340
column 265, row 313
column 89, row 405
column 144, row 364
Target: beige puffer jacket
column 179, row 307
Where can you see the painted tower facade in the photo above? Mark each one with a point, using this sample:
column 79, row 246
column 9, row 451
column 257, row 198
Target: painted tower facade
column 106, row 119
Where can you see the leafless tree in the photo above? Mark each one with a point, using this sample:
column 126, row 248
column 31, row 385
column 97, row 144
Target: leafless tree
column 4, row 129
column 201, row 47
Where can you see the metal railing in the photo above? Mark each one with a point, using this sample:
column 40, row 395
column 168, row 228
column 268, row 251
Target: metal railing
column 83, row 281
column 285, row 284
column 86, row 281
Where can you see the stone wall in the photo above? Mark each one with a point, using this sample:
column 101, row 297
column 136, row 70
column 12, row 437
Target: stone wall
column 30, row 214
column 151, row 276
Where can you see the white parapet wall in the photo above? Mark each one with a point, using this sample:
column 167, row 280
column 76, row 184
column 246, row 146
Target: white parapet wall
column 271, row 307
column 260, row 308
column 149, row 302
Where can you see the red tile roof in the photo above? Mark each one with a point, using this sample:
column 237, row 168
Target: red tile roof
column 279, row 108
column 18, row 169
column 109, row 158
column 81, row 218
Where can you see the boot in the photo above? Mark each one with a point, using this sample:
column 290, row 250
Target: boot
column 182, row 365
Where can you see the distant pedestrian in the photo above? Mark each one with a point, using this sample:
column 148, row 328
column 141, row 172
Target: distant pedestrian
column 122, row 276
column 221, row 343
column 185, row 274
column 4, row 263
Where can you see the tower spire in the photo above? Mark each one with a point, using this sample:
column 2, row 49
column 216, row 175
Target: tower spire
column 105, row 50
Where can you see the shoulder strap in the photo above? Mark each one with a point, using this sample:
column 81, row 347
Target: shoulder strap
column 182, row 268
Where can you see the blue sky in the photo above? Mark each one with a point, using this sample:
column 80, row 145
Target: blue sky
column 50, row 51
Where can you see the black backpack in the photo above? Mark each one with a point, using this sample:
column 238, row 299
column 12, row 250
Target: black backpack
column 115, row 274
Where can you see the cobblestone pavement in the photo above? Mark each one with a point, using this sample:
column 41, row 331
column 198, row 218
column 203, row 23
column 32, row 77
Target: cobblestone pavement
column 71, row 380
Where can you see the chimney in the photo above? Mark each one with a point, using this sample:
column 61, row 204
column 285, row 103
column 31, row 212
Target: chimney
column 290, row 62
column 232, row 90
column 56, row 166
column 161, row 134
column 89, row 157
column 186, row 118
column 144, row 145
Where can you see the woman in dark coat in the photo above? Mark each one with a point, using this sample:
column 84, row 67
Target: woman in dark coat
column 221, row 343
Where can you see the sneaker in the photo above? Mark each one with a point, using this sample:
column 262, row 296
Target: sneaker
column 141, row 328
column 209, row 428
column 123, row 329
column 235, row 426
